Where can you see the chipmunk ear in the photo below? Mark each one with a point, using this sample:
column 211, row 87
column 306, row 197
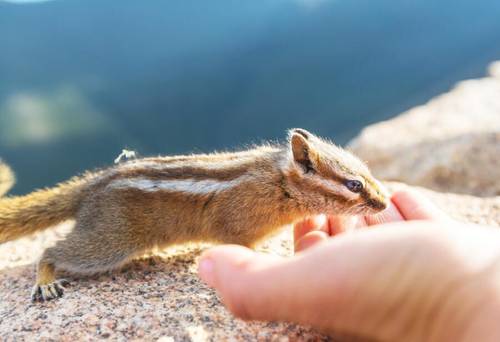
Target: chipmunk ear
column 307, row 135
column 301, row 147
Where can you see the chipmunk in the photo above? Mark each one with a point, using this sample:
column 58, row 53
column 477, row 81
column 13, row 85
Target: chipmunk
column 240, row 198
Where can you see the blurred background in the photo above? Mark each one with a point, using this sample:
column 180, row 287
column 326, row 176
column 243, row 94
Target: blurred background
column 80, row 80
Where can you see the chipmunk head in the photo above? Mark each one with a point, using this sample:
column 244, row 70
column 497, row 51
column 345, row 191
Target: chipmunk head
column 329, row 179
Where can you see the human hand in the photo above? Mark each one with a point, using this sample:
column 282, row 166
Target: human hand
column 431, row 279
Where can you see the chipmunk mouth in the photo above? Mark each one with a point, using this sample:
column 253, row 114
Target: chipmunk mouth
column 374, row 206
column 363, row 209
column 377, row 204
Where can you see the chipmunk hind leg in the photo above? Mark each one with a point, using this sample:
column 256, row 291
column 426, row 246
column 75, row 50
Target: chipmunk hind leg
column 47, row 286
column 83, row 251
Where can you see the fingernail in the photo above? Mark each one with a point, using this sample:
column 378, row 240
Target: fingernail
column 310, row 240
column 320, row 221
column 206, row 271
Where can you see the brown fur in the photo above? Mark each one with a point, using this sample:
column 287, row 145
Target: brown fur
column 272, row 186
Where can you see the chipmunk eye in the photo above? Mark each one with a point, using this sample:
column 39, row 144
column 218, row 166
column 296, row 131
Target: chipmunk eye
column 354, row 185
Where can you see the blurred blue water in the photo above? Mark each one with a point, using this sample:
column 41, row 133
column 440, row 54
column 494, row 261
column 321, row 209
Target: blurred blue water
column 79, row 80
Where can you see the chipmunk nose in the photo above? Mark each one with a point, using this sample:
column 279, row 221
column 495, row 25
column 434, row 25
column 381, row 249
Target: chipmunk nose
column 377, row 204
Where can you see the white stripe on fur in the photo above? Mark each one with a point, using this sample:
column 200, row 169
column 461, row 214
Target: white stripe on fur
column 193, row 186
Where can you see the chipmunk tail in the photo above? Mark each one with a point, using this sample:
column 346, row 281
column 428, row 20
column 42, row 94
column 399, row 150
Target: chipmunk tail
column 39, row 210
column 7, row 178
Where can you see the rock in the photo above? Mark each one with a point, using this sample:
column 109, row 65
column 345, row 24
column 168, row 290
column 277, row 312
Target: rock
column 451, row 144
column 160, row 297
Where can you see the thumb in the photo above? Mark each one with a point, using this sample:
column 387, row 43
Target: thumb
column 252, row 285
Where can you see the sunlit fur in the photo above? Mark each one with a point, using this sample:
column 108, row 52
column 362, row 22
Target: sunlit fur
column 231, row 197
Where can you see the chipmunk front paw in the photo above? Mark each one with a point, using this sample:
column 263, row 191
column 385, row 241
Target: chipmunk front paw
column 44, row 292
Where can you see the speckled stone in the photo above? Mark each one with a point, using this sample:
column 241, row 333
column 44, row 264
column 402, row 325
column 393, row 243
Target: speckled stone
column 156, row 298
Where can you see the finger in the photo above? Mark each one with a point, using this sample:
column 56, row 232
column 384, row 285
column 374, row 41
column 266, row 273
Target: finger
column 361, row 222
column 391, row 214
column 262, row 287
column 414, row 206
column 239, row 275
column 310, row 239
column 309, row 224
column 339, row 224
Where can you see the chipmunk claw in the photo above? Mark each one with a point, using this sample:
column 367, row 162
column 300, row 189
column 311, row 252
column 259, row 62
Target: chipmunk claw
column 45, row 292
column 63, row 282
